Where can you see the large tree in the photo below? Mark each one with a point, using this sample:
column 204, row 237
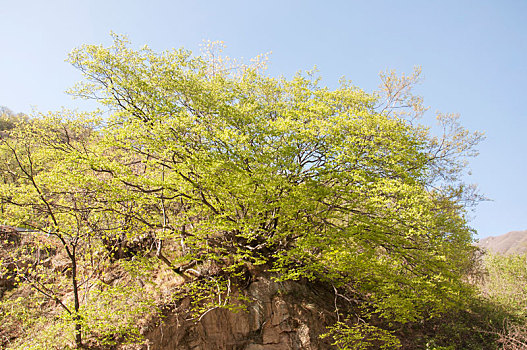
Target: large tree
column 245, row 170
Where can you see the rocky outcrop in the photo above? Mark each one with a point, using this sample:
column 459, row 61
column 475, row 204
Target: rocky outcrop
column 281, row 316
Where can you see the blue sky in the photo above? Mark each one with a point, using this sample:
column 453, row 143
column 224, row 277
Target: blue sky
column 473, row 55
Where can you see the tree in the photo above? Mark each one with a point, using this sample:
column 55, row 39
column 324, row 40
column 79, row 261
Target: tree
column 245, row 170
column 504, row 284
column 8, row 119
column 42, row 196
column 48, row 190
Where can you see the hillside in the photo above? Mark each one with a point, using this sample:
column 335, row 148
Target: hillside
column 220, row 208
column 513, row 242
column 259, row 314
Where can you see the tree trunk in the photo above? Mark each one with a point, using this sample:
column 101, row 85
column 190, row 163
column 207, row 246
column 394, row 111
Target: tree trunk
column 76, row 316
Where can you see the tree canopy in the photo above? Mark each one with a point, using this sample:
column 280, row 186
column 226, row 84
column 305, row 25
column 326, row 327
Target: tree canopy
column 251, row 171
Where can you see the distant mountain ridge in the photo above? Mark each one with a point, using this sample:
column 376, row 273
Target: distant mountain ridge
column 514, row 242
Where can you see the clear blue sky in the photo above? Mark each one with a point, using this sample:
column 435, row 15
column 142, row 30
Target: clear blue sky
column 473, row 55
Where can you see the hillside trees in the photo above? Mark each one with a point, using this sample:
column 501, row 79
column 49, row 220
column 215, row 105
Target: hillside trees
column 50, row 191
column 36, row 191
column 8, row 119
column 504, row 283
column 245, row 171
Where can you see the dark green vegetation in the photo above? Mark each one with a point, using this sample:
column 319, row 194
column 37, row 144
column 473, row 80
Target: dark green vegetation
column 205, row 172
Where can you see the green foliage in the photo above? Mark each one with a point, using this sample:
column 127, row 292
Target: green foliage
column 491, row 318
column 504, row 284
column 505, row 281
column 9, row 120
column 433, row 346
column 471, row 326
column 18, row 314
column 209, row 294
column 361, row 336
column 115, row 314
column 222, row 162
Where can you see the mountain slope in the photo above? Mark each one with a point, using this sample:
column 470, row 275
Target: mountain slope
column 513, row 242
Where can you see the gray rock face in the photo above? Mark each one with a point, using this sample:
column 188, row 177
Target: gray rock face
column 282, row 316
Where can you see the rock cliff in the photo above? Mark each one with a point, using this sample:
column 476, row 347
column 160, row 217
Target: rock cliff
column 281, row 316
